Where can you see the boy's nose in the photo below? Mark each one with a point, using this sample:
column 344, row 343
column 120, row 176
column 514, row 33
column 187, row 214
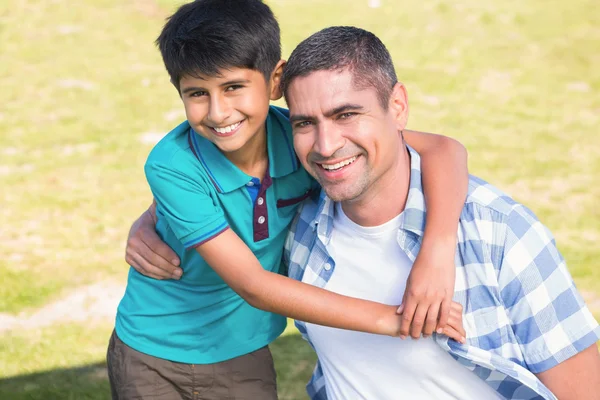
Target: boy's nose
column 219, row 110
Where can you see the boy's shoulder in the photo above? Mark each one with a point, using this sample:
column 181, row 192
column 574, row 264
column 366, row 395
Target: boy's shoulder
column 173, row 151
column 281, row 112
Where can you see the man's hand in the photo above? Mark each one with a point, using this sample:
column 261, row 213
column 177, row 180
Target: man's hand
column 148, row 254
column 429, row 291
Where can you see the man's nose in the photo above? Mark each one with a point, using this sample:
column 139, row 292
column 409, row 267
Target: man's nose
column 219, row 109
column 328, row 140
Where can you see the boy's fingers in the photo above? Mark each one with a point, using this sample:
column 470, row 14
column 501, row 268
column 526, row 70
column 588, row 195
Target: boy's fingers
column 407, row 317
column 444, row 313
column 432, row 318
column 418, row 321
column 453, row 334
column 455, row 321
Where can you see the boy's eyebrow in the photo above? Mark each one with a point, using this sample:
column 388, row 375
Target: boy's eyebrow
column 328, row 114
column 235, row 82
column 228, row 83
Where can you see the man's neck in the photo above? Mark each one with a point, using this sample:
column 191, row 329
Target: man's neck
column 385, row 198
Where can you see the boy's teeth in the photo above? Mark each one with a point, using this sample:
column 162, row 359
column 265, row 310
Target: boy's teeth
column 227, row 129
column 338, row 165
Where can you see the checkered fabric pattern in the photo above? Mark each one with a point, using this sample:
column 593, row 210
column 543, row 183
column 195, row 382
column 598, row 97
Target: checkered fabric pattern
column 522, row 312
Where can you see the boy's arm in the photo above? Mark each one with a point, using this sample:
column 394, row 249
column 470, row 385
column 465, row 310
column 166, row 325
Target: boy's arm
column 147, row 253
column 229, row 256
column 430, row 285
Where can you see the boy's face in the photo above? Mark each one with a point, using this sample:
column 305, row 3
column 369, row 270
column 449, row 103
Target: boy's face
column 230, row 110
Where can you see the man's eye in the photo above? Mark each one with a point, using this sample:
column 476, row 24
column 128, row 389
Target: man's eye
column 346, row 115
column 302, row 124
column 234, row 87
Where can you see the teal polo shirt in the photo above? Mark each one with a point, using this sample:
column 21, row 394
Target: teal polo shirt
column 200, row 193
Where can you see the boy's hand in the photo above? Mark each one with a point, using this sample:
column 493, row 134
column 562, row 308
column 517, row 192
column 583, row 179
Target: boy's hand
column 454, row 329
column 146, row 253
column 429, row 290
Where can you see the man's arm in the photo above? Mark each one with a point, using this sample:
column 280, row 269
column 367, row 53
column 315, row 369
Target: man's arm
column 146, row 253
column 576, row 378
column 430, row 285
column 555, row 330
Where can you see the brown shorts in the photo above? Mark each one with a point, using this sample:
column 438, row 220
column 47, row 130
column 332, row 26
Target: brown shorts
column 135, row 375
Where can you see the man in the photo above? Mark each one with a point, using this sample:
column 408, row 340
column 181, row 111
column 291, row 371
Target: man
column 529, row 334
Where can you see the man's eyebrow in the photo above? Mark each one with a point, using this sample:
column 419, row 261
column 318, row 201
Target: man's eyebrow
column 337, row 110
column 342, row 109
column 300, row 117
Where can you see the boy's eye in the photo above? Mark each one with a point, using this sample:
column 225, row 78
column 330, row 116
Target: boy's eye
column 198, row 93
column 234, row 87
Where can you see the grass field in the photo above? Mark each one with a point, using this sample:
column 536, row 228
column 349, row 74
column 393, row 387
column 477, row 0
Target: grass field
column 85, row 96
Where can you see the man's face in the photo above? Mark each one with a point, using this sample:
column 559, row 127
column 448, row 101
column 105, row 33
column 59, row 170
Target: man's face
column 342, row 134
column 230, row 109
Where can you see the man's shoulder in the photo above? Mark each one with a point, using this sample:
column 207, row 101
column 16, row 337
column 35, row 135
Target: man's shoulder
column 488, row 204
column 485, row 196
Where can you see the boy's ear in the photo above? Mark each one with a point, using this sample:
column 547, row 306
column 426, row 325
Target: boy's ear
column 398, row 105
column 276, row 80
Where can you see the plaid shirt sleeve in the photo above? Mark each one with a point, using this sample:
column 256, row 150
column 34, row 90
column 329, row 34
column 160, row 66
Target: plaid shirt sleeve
column 548, row 316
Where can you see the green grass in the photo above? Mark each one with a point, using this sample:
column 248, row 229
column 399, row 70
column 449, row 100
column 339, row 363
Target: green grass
column 516, row 82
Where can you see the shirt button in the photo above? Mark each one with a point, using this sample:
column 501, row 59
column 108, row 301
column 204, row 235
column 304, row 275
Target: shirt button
column 250, row 183
column 327, row 266
column 260, row 201
column 261, row 220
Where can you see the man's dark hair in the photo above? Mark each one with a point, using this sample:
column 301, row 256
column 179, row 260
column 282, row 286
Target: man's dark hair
column 344, row 47
column 207, row 36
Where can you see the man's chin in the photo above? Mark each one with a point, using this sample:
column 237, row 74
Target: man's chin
column 340, row 192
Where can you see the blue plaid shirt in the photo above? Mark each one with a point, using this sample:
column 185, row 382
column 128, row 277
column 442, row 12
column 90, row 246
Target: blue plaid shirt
column 522, row 312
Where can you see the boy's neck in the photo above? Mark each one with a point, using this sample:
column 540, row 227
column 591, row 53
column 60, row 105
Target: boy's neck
column 253, row 158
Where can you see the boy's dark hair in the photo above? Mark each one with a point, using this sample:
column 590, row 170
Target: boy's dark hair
column 206, row 36
column 344, row 47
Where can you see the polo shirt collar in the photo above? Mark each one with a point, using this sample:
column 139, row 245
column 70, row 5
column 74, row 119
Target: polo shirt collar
column 226, row 176
column 413, row 216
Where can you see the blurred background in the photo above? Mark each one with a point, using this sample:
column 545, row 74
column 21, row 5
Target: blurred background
column 84, row 97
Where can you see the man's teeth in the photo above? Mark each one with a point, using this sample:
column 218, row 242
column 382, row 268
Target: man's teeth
column 227, row 129
column 331, row 167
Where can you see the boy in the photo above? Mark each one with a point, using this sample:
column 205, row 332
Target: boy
column 227, row 184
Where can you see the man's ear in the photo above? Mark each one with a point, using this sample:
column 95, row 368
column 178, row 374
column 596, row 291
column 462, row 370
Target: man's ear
column 398, row 105
column 274, row 82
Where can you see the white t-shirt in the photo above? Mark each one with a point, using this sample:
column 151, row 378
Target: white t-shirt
column 371, row 265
